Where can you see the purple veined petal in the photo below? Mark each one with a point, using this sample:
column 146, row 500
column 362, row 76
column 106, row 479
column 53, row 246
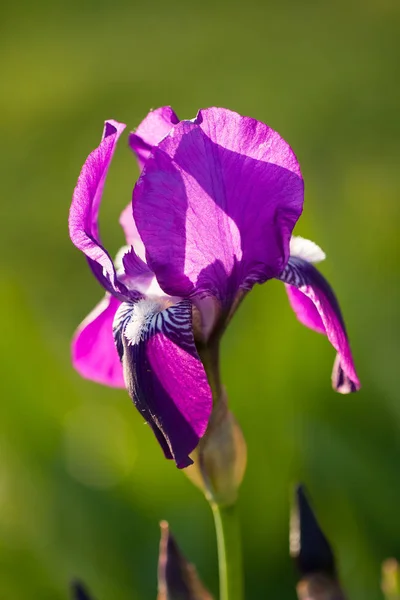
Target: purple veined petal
column 94, row 354
column 163, row 373
column 216, row 205
column 316, row 306
column 151, row 131
column 84, row 211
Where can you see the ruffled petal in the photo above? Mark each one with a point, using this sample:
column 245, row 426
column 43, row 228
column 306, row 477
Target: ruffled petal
column 316, row 306
column 151, row 131
column 84, row 211
column 94, row 354
column 216, row 205
column 163, row 373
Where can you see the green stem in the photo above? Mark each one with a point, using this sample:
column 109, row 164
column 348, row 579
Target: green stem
column 229, row 552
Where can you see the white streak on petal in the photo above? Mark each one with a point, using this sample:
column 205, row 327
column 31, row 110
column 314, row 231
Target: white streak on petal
column 141, row 317
column 306, row 249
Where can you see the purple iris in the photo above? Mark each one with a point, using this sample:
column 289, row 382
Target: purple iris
column 212, row 214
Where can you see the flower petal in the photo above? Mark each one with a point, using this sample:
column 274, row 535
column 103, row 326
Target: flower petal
column 163, row 373
column 216, row 205
column 94, row 355
column 151, row 131
column 84, row 211
column 316, row 306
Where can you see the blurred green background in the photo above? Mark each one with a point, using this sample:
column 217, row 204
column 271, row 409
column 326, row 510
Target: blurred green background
column 82, row 482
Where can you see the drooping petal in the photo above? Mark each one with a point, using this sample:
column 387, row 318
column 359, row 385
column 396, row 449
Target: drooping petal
column 216, row 205
column 84, row 211
column 177, row 578
column 151, row 131
column 163, row 373
column 316, row 306
column 94, row 354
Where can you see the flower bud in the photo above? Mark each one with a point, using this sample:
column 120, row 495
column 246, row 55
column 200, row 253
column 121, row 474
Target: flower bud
column 391, row 579
column 79, row 591
column 219, row 461
column 312, row 553
column 177, row 578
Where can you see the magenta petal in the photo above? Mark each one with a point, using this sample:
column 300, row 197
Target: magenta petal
column 151, row 131
column 94, row 354
column 163, row 373
column 84, row 211
column 316, row 306
column 305, row 309
column 216, row 205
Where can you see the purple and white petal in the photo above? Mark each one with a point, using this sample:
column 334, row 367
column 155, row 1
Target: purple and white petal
column 316, row 306
column 151, row 131
column 163, row 372
column 94, row 354
column 216, row 205
column 84, row 211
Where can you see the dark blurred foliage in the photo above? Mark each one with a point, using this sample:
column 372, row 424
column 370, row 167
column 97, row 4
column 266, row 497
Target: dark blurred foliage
column 83, row 484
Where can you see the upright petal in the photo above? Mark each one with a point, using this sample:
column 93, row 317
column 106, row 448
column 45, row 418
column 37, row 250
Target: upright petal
column 216, row 205
column 316, row 306
column 151, row 131
column 84, row 211
column 163, row 373
column 94, row 354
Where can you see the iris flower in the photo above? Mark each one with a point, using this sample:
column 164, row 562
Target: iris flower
column 212, row 214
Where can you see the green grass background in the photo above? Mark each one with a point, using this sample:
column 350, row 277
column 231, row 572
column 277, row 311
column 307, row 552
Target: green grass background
column 83, row 484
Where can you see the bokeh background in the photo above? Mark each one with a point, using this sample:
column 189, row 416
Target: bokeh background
column 83, row 484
